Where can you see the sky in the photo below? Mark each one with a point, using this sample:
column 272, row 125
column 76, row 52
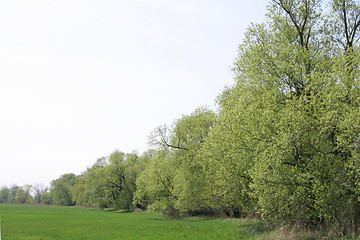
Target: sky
column 82, row 78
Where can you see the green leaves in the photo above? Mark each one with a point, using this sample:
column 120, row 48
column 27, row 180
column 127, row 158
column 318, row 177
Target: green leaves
column 295, row 107
column 63, row 190
column 173, row 179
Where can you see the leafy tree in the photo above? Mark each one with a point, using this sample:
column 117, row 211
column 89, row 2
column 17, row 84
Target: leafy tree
column 173, row 179
column 12, row 195
column 89, row 189
column 47, row 197
column 141, row 197
column 23, row 195
column 4, row 195
column 79, row 190
column 293, row 113
column 38, row 191
column 155, row 184
column 62, row 190
column 191, row 133
column 114, row 179
column 227, row 157
column 132, row 169
column 110, row 182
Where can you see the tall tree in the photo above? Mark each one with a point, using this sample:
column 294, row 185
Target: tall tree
column 155, row 186
column 176, row 171
column 294, row 111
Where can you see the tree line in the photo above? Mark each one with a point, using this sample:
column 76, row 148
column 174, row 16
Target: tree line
column 283, row 142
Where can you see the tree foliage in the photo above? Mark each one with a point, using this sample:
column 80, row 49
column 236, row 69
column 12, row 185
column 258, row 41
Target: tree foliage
column 110, row 182
column 4, row 195
column 173, row 181
column 295, row 109
column 23, row 195
column 63, row 190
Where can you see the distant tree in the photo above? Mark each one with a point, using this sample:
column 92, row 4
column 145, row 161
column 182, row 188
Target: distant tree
column 62, row 190
column 89, row 187
column 131, row 172
column 23, row 195
column 110, row 182
column 174, row 178
column 4, row 195
column 12, row 195
column 79, row 190
column 47, row 197
column 155, row 185
column 117, row 179
column 38, row 191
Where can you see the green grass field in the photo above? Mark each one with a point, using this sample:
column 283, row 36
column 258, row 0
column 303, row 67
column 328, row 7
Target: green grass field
column 51, row 222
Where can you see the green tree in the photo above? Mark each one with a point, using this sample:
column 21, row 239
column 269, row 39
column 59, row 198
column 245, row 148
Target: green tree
column 110, row 182
column 12, row 195
column 191, row 133
column 46, row 197
column 227, row 158
column 23, row 195
column 4, row 195
column 141, row 198
column 79, row 190
column 293, row 113
column 132, row 169
column 62, row 190
column 175, row 173
column 38, row 191
column 89, row 187
column 155, row 184
column 114, row 178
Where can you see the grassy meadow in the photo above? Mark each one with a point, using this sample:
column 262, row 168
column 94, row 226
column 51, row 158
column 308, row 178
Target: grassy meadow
column 52, row 222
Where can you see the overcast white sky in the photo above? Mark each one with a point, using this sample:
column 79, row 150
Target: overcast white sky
column 81, row 78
